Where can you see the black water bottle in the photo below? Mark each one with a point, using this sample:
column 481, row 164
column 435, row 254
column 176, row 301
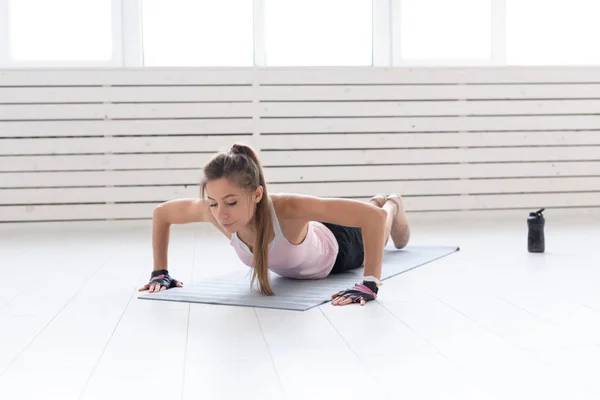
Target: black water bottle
column 536, row 242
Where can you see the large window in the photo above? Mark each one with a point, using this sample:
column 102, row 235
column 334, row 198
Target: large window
column 242, row 33
column 552, row 32
column 318, row 32
column 198, row 32
column 445, row 30
column 60, row 30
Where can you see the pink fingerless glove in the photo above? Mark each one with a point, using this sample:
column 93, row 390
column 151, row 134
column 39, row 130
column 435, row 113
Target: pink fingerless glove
column 163, row 278
column 366, row 291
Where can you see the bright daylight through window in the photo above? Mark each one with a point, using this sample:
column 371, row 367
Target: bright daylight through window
column 209, row 33
column 552, row 32
column 198, row 33
column 445, row 30
column 318, row 32
column 60, row 30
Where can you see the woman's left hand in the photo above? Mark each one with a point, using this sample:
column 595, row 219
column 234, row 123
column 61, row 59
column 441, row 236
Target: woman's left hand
column 358, row 294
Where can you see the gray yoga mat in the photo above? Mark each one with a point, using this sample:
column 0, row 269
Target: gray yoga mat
column 294, row 294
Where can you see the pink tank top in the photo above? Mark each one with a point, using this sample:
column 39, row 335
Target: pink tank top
column 311, row 259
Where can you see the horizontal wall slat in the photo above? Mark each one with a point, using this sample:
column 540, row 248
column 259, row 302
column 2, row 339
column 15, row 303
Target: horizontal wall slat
column 126, row 76
column 368, row 75
column 100, row 178
column 77, row 212
column 277, row 142
column 427, row 124
column 428, row 92
column 444, row 187
column 138, row 94
column 158, row 94
column 416, row 172
column 504, row 201
column 413, row 204
column 304, row 158
column 47, row 112
column 304, row 109
column 100, row 162
column 124, row 111
column 210, row 143
column 429, row 156
column 303, row 174
column 433, row 108
column 185, row 110
column 96, row 194
column 450, row 139
column 298, row 125
column 108, row 127
column 271, row 75
column 345, row 189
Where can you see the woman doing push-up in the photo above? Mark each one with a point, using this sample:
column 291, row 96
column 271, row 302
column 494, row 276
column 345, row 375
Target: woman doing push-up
column 293, row 235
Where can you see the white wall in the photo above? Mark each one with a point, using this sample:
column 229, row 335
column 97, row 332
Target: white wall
column 113, row 143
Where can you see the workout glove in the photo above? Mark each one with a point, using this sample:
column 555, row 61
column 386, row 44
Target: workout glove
column 163, row 278
column 360, row 292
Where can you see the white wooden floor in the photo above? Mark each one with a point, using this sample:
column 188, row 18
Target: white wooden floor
column 489, row 322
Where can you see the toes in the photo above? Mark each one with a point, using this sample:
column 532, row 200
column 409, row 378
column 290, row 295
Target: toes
column 379, row 199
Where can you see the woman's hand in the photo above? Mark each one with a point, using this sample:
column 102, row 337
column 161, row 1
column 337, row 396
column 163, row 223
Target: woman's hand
column 160, row 280
column 360, row 293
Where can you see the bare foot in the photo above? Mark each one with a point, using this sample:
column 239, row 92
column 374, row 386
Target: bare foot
column 400, row 231
column 378, row 200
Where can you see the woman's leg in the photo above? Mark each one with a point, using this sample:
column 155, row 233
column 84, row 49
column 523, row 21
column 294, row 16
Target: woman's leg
column 400, row 231
column 380, row 200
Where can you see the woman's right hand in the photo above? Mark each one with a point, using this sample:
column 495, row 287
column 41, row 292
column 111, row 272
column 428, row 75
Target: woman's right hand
column 160, row 280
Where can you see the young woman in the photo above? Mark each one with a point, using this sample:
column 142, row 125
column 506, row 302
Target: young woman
column 296, row 236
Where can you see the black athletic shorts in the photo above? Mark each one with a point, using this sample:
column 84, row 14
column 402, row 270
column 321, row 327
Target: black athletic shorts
column 352, row 252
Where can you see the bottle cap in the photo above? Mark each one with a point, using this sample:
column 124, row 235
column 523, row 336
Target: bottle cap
column 537, row 213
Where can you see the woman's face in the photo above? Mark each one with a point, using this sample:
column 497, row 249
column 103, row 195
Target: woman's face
column 230, row 204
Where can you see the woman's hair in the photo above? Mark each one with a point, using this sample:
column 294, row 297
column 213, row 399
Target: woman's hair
column 242, row 167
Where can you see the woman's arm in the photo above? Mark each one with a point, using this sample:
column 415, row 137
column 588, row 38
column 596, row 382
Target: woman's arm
column 177, row 211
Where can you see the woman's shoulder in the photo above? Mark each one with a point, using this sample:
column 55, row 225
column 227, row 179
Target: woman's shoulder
column 284, row 204
column 286, row 208
column 292, row 206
